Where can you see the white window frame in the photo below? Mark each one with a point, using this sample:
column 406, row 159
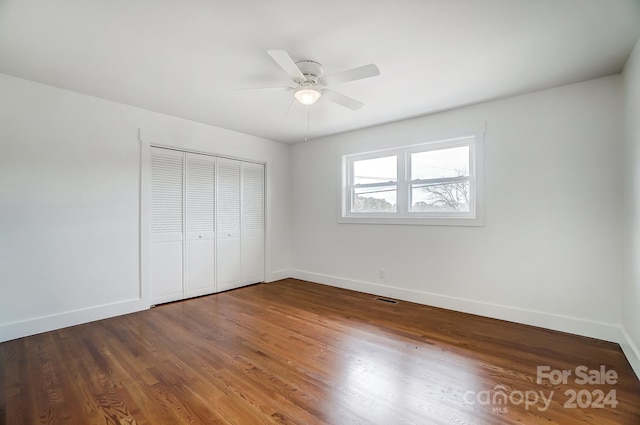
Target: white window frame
column 396, row 184
column 403, row 215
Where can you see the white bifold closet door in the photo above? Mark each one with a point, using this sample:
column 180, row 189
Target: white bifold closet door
column 200, row 225
column 207, row 224
column 252, row 223
column 167, row 209
column 228, row 236
column 240, row 233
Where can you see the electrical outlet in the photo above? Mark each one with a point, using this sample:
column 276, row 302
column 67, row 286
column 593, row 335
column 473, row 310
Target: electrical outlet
column 381, row 274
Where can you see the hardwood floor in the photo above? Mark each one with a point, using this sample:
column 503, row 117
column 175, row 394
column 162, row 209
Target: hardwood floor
column 294, row 352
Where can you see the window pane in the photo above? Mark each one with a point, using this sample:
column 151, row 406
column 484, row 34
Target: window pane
column 377, row 170
column 442, row 197
column 442, row 163
column 374, row 199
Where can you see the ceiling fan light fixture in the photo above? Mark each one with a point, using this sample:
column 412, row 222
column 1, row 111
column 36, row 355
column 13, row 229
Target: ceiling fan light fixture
column 307, row 95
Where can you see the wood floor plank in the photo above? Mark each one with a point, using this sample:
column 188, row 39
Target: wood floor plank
column 293, row 352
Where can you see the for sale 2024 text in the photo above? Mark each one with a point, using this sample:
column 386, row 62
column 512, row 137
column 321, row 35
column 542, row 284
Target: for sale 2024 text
column 582, row 375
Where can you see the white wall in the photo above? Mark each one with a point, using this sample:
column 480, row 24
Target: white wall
column 631, row 239
column 70, row 202
column 549, row 253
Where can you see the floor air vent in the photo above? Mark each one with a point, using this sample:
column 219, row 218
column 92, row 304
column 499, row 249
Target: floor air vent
column 386, row 300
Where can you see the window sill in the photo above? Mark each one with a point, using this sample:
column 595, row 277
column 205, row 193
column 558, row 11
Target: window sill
column 416, row 221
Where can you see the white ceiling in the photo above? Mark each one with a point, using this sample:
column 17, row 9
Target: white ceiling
column 188, row 58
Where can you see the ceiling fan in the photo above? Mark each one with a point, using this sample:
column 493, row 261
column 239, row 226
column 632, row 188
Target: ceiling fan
column 310, row 83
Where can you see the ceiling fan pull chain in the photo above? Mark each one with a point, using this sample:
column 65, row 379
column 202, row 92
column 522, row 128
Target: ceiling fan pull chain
column 307, row 111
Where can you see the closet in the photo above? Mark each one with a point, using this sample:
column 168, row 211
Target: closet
column 207, row 224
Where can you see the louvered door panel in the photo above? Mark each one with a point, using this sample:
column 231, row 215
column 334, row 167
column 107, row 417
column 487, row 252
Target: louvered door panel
column 252, row 221
column 167, row 194
column 166, row 191
column 228, row 195
column 200, row 220
column 252, row 197
column 228, row 223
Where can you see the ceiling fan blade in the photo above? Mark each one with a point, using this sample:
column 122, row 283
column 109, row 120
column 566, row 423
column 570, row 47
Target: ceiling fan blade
column 343, row 100
column 358, row 73
column 281, row 88
column 283, row 59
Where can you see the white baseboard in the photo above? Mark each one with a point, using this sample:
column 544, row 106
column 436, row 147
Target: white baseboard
column 573, row 325
column 278, row 275
column 14, row 330
column 631, row 351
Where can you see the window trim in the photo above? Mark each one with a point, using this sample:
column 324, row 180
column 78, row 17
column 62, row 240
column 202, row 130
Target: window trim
column 475, row 217
column 346, row 194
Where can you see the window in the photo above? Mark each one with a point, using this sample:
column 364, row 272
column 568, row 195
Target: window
column 432, row 183
column 375, row 184
column 439, row 181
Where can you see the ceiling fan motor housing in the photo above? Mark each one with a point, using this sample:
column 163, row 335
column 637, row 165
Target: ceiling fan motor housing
column 311, row 70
